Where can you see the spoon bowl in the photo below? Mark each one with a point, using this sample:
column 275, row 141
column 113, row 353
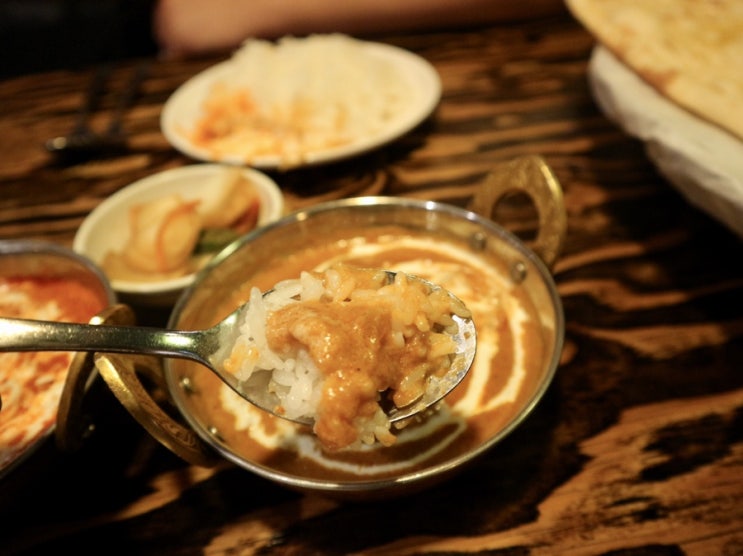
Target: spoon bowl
column 208, row 347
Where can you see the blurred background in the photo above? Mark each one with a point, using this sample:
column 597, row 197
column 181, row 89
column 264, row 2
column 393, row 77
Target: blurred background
column 42, row 35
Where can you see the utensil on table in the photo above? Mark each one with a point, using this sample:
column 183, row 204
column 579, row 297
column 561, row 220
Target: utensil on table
column 208, row 348
column 83, row 142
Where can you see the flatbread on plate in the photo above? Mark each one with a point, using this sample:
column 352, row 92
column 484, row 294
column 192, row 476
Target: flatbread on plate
column 690, row 51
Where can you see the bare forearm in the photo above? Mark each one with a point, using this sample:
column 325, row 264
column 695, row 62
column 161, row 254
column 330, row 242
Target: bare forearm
column 189, row 26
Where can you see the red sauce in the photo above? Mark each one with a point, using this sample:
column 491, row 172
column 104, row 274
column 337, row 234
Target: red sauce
column 31, row 383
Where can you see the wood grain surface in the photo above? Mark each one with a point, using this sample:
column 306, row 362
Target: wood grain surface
column 637, row 447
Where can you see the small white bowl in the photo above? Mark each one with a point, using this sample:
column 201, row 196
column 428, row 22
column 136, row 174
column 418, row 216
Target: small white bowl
column 106, row 228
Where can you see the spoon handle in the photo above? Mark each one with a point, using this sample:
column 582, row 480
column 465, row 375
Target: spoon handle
column 127, row 98
column 92, row 96
column 33, row 335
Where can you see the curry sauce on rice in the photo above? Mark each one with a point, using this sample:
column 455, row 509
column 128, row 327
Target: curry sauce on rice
column 341, row 342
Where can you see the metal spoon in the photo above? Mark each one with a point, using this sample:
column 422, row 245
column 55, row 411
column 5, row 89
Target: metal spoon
column 208, row 348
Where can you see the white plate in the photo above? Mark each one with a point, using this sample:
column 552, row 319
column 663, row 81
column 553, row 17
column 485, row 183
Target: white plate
column 107, row 227
column 183, row 109
column 703, row 161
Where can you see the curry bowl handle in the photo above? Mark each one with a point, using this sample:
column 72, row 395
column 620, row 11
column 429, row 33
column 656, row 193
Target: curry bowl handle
column 533, row 176
column 123, row 375
column 73, row 423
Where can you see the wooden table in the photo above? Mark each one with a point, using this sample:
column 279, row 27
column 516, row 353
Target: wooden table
column 637, row 448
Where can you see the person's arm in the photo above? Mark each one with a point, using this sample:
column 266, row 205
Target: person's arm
column 184, row 27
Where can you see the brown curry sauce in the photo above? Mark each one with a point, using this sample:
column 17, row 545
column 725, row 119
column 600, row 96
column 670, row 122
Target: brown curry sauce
column 463, row 422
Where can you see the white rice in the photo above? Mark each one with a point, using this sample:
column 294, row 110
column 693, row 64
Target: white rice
column 309, row 95
column 295, row 380
column 333, row 75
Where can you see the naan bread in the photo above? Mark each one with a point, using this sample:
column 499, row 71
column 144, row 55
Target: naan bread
column 690, row 51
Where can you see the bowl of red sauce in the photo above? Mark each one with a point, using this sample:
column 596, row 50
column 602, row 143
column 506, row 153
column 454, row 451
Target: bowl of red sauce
column 45, row 281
